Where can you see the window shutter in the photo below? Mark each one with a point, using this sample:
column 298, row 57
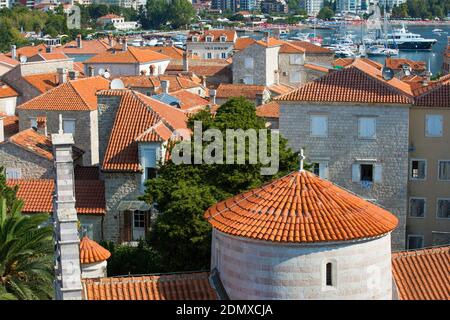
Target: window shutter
column 356, row 172
column 323, row 170
column 147, row 221
column 127, row 223
column 377, row 175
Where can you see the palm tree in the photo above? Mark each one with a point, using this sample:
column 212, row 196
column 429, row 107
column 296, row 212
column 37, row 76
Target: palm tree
column 26, row 254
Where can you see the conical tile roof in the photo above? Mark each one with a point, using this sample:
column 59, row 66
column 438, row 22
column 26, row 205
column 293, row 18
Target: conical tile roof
column 300, row 208
column 91, row 251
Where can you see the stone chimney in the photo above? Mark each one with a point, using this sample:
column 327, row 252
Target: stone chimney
column 185, row 62
column 79, row 41
column 67, row 252
column 165, row 84
column 2, row 129
column 42, row 125
column 13, row 52
column 62, row 75
column 90, row 71
column 212, row 96
column 73, row 75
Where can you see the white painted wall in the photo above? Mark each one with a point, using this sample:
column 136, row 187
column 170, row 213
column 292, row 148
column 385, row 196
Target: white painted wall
column 94, row 270
column 8, row 105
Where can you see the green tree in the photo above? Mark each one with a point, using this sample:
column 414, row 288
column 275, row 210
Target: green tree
column 6, row 192
column 325, row 13
column 26, row 254
column 180, row 13
column 183, row 192
column 400, row 11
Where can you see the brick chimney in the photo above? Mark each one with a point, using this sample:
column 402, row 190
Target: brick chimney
column 2, row 129
column 62, row 75
column 67, row 252
column 212, row 96
column 165, row 84
column 13, row 52
column 79, row 41
column 42, row 125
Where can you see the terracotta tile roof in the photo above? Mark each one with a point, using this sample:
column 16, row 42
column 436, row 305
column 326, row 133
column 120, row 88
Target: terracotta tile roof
column 268, row 110
column 311, row 48
column 29, row 51
column 176, row 83
column 11, row 125
column 91, row 251
column 96, row 46
column 43, row 82
column 136, row 114
column 438, row 96
column 316, row 67
column 242, row 43
column 37, row 195
column 397, row 63
column 183, row 286
column 210, row 71
column 422, row 274
column 270, row 42
column 132, row 55
column 38, row 144
column 73, row 95
column 6, row 91
column 4, row 59
column 190, row 101
column 300, row 207
column 109, row 16
column 342, row 62
column 87, row 172
column 279, row 89
column 78, row 66
column 248, row 91
column 230, row 34
column 170, row 51
column 360, row 82
column 48, row 56
column 288, row 47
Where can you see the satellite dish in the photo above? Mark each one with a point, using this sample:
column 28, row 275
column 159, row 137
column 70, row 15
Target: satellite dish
column 23, row 59
column 117, row 84
column 407, row 72
column 101, row 71
column 387, row 73
column 106, row 75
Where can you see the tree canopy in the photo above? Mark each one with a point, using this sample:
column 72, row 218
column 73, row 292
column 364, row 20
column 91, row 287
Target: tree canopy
column 160, row 15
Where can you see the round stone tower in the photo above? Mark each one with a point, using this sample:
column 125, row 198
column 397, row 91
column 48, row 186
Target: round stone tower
column 302, row 237
column 93, row 259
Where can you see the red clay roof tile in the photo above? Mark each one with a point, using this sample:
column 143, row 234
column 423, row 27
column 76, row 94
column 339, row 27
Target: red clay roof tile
column 92, row 252
column 315, row 210
column 225, row 90
column 132, row 55
column 268, row 110
column 6, row 91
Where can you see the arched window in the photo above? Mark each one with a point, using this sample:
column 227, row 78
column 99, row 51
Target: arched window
column 329, row 274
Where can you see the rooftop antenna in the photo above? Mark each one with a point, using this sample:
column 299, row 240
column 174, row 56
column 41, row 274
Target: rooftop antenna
column 302, row 158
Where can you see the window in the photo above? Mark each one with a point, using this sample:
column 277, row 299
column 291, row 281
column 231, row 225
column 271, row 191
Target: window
column 444, row 169
column 33, row 122
column 209, row 55
column 223, row 38
column 69, row 126
column 417, row 207
column 13, row 173
column 329, row 274
column 294, row 77
column 209, row 39
column 248, row 80
column 319, row 126
column 194, row 39
column 223, row 55
column 139, row 219
column 320, row 169
column 363, row 172
column 148, row 163
column 248, row 63
column 434, row 125
column 87, row 229
column 295, row 59
column 366, row 128
column 415, row 241
column 443, row 208
column 418, row 170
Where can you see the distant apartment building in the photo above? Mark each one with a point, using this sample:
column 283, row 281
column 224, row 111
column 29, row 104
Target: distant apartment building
column 4, row 4
column 312, row 6
column 211, row 44
column 118, row 22
column 352, row 6
column 223, row 5
column 279, row 6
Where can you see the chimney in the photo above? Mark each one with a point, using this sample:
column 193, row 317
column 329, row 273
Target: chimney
column 67, row 252
column 124, row 44
column 266, row 37
column 426, row 78
column 79, row 41
column 2, row 129
column 165, row 84
column 73, row 75
column 62, row 75
column 13, row 52
column 110, row 40
column 90, row 71
column 203, row 78
column 42, row 125
column 212, row 96
column 277, row 77
column 185, row 62
column 259, row 99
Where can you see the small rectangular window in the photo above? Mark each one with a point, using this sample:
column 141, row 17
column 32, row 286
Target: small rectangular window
column 366, row 172
column 434, row 125
column 295, row 59
column 139, row 219
column 69, row 126
column 87, row 229
column 33, row 122
column 418, row 169
column 367, row 128
column 224, row 55
column 248, row 62
column 319, row 125
column 320, row 169
column 415, row 241
column 13, row 173
column 444, row 169
column 417, row 207
column 443, row 208
column 329, row 274
column 209, row 55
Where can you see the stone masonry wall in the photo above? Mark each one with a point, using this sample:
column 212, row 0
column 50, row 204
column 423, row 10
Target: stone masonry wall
column 96, row 222
column 107, row 109
column 32, row 166
column 118, row 187
column 343, row 148
column 251, row 269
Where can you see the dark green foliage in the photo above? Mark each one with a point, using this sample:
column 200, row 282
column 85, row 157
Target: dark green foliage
column 160, row 15
column 7, row 193
column 423, row 9
column 325, row 13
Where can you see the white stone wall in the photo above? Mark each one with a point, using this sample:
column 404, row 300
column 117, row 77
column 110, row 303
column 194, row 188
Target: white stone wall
column 251, row 269
column 201, row 49
column 8, row 105
column 94, row 270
